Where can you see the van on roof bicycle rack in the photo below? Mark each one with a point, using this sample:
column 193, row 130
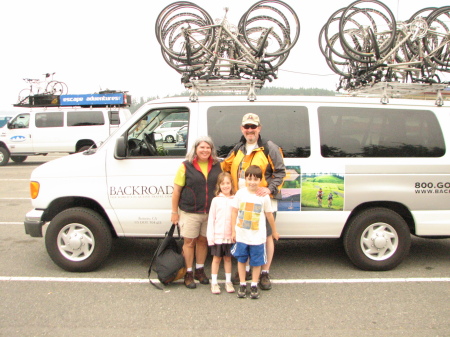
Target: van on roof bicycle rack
column 103, row 99
column 398, row 90
column 224, row 86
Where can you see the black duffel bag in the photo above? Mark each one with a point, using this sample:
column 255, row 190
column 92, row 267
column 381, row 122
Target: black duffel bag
column 168, row 261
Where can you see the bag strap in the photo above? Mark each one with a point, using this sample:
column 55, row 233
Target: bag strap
column 169, row 233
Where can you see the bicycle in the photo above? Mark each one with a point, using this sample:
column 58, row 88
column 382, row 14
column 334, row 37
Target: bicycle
column 52, row 87
column 200, row 49
column 411, row 51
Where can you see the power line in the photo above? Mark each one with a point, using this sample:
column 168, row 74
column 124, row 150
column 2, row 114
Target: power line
column 298, row 72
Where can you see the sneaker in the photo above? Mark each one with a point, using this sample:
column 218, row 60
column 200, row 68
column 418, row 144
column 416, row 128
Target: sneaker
column 242, row 291
column 229, row 287
column 264, row 281
column 236, row 281
column 201, row 276
column 215, row 288
column 254, row 293
column 189, row 280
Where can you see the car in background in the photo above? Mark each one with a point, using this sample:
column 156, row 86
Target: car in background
column 181, row 136
column 169, row 129
column 4, row 120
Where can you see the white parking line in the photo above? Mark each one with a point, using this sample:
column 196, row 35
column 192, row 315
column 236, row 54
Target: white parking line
column 15, row 198
column 281, row 281
column 14, row 179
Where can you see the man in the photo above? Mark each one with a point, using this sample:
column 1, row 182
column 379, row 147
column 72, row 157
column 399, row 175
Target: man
column 253, row 150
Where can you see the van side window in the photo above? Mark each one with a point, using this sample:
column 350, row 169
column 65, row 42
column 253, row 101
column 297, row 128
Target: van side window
column 157, row 134
column 286, row 126
column 49, row 120
column 384, row 132
column 114, row 118
column 85, row 118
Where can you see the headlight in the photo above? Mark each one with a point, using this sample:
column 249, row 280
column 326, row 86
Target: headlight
column 34, row 189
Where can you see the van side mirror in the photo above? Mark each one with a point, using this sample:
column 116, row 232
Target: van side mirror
column 121, row 148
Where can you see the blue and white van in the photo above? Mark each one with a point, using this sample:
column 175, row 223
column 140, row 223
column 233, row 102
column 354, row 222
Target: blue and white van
column 73, row 124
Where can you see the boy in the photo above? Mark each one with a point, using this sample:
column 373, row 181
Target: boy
column 248, row 223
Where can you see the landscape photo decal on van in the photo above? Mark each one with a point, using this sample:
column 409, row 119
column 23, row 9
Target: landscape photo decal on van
column 322, row 191
column 291, row 190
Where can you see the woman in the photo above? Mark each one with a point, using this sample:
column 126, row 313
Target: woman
column 194, row 186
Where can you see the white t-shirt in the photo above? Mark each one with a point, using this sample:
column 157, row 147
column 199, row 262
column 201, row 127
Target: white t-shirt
column 251, row 220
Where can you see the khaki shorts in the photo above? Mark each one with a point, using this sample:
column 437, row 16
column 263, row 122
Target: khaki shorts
column 193, row 224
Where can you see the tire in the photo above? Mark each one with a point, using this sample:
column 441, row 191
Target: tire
column 78, row 240
column 4, row 156
column 19, row 159
column 377, row 239
column 170, row 139
column 24, row 94
column 56, row 88
column 84, row 148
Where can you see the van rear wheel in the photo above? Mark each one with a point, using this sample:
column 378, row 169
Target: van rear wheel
column 377, row 239
column 19, row 159
column 78, row 240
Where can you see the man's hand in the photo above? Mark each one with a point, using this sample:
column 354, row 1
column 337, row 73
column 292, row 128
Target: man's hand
column 262, row 191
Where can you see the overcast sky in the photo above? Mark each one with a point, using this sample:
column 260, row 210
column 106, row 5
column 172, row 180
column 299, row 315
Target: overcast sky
column 108, row 44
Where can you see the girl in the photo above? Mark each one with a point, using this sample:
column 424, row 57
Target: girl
column 219, row 231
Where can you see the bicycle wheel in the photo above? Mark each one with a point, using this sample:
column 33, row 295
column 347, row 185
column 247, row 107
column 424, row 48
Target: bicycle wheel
column 56, row 88
column 376, row 16
column 436, row 42
column 263, row 14
column 24, row 95
column 180, row 29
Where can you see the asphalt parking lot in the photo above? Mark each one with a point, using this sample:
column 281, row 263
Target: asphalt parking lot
column 316, row 291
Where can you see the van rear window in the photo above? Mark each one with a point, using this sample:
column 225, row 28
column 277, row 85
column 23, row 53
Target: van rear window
column 379, row 132
column 286, row 126
column 85, row 118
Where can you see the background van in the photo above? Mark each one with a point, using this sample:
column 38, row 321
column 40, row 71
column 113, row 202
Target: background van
column 383, row 172
column 43, row 130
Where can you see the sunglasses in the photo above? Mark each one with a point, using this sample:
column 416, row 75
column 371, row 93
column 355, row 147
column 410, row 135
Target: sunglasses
column 250, row 126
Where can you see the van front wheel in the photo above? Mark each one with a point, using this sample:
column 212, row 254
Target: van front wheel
column 4, row 156
column 377, row 239
column 78, row 240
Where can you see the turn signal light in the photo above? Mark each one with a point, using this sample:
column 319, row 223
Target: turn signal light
column 34, row 189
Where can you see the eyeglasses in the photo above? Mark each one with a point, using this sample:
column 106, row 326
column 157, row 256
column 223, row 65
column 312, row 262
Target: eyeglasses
column 250, row 126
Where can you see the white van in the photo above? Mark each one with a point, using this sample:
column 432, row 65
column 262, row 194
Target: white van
column 67, row 127
column 384, row 173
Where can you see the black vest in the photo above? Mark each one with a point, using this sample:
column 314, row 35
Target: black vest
column 198, row 191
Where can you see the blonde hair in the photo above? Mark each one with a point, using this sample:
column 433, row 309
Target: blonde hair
column 220, row 179
column 193, row 151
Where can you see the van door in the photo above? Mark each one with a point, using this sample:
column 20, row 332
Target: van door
column 140, row 184
column 18, row 134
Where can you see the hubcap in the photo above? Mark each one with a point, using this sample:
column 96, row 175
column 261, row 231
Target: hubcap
column 76, row 242
column 379, row 241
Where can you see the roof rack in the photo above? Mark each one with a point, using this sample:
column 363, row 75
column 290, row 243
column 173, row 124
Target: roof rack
column 231, row 85
column 396, row 89
column 102, row 99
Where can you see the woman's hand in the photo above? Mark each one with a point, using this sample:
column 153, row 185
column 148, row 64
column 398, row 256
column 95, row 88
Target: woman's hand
column 175, row 218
